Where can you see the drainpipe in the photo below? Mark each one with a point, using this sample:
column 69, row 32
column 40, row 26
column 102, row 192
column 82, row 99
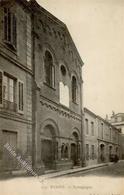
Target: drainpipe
column 33, row 99
column 83, row 161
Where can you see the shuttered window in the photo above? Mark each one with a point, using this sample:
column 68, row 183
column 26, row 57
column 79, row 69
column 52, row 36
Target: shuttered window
column 9, row 89
column 9, row 27
column 1, row 87
column 9, row 92
column 20, row 96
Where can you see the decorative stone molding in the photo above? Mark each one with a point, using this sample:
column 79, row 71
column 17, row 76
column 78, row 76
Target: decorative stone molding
column 61, row 111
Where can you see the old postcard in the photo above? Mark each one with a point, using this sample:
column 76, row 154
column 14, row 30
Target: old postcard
column 61, row 97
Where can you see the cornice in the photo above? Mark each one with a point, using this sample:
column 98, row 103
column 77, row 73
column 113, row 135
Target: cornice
column 14, row 117
column 61, row 110
column 110, row 142
column 21, row 66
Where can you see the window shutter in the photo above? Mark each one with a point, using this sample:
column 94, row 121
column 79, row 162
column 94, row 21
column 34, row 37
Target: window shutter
column 5, row 24
column 10, row 27
column 14, row 30
column 20, row 96
column 1, row 88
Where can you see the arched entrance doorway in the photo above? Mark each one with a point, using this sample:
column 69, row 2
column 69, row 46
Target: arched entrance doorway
column 48, row 147
column 75, row 149
column 102, row 152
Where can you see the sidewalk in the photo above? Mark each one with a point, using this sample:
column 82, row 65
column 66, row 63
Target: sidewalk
column 74, row 170
column 53, row 173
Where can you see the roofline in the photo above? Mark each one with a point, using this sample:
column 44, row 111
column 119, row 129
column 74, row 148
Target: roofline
column 89, row 111
column 81, row 61
column 34, row 5
column 117, row 123
column 25, row 3
column 105, row 121
column 117, row 114
column 99, row 117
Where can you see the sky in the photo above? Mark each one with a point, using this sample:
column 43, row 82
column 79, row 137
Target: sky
column 97, row 28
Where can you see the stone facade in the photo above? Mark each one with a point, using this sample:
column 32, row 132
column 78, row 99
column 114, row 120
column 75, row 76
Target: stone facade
column 118, row 121
column 58, row 94
column 91, row 137
column 40, row 89
column 15, row 85
column 102, row 139
column 108, row 140
column 41, row 112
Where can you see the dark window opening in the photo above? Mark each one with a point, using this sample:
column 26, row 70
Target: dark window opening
column 62, row 151
column 74, row 89
column 87, row 128
column 49, row 69
column 66, row 152
column 92, row 152
column 1, row 88
column 92, row 128
column 20, row 97
column 63, row 70
column 9, row 28
column 87, row 151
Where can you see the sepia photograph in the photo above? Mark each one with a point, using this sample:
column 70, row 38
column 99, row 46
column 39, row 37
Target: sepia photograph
column 61, row 97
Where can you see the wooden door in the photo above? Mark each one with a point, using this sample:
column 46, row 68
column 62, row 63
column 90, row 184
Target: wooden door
column 74, row 153
column 9, row 161
column 48, row 153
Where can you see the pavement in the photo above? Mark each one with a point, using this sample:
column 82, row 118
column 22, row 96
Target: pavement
column 98, row 179
column 74, row 170
column 115, row 170
column 54, row 174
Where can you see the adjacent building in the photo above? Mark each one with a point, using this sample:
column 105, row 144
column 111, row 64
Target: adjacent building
column 118, row 121
column 40, row 89
column 15, row 83
column 102, row 139
column 108, row 140
column 91, row 137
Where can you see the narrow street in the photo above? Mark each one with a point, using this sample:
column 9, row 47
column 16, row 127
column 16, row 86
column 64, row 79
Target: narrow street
column 113, row 170
column 107, row 180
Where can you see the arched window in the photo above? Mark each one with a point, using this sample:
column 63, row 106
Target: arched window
column 74, row 89
column 49, row 69
column 63, row 70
